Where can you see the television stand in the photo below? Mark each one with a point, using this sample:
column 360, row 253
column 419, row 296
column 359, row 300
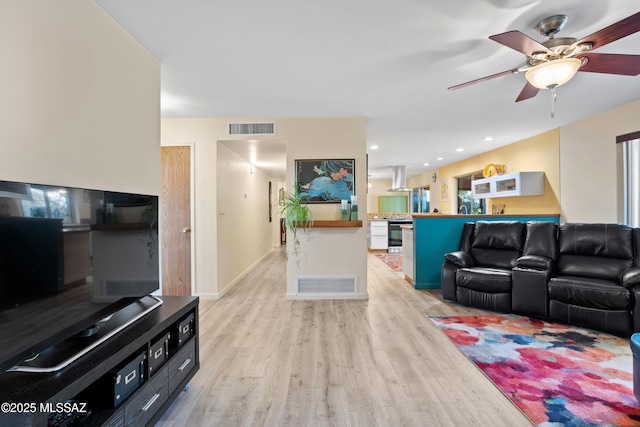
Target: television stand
column 130, row 378
column 63, row 354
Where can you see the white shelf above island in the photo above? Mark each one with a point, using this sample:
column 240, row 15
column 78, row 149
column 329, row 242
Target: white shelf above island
column 509, row 185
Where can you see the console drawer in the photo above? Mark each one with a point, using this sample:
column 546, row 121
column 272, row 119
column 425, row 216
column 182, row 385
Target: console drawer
column 181, row 364
column 144, row 405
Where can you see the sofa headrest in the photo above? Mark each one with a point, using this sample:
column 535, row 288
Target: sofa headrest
column 599, row 240
column 501, row 235
column 542, row 239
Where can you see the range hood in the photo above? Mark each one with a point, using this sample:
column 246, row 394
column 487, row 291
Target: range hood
column 398, row 179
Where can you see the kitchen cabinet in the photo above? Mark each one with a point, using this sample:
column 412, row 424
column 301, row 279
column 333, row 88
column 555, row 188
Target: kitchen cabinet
column 509, row 185
column 378, row 235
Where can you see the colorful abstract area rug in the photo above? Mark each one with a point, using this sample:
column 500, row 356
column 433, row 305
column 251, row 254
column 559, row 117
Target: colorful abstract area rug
column 394, row 261
column 556, row 374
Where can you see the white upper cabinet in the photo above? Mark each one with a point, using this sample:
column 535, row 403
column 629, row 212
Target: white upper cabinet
column 509, row 185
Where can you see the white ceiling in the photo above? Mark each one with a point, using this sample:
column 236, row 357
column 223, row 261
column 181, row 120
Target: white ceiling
column 390, row 61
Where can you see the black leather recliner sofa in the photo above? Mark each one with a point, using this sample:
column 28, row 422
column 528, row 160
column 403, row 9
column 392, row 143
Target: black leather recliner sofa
column 479, row 274
column 580, row 274
column 591, row 278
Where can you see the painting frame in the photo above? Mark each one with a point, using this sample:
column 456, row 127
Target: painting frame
column 325, row 180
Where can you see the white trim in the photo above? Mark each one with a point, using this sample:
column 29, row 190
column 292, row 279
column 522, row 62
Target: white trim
column 209, row 296
column 243, row 274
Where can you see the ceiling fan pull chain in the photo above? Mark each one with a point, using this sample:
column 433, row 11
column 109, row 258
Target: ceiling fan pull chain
column 553, row 101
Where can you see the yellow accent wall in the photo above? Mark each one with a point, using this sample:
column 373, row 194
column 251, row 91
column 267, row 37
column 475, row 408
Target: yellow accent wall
column 538, row 153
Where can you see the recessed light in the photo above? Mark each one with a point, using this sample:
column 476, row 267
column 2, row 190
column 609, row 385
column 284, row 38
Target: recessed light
column 459, row 150
column 487, row 138
column 439, row 158
column 426, row 164
column 374, row 147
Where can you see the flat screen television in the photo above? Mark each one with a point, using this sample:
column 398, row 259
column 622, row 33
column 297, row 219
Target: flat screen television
column 69, row 257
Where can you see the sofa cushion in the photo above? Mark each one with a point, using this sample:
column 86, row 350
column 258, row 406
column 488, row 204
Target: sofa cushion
column 489, row 280
column 589, row 266
column 498, row 243
column 589, row 292
column 595, row 250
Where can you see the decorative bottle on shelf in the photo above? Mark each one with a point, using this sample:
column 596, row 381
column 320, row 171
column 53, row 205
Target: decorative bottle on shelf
column 354, row 208
column 100, row 212
column 109, row 217
column 344, row 210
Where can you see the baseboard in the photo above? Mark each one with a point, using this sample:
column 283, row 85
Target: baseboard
column 209, row 296
column 427, row 286
column 243, row 274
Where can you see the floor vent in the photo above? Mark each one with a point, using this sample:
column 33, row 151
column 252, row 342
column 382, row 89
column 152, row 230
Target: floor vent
column 252, row 128
column 324, row 285
column 129, row 287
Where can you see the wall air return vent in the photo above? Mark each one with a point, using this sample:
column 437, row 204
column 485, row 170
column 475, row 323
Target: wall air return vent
column 252, row 128
column 326, row 285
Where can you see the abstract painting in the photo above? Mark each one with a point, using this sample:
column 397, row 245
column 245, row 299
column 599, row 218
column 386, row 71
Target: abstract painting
column 325, row 181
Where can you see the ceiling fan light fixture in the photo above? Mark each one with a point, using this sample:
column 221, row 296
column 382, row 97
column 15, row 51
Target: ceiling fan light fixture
column 553, row 73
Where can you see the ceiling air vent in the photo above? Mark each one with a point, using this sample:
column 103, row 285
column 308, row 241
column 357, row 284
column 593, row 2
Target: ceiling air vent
column 252, row 128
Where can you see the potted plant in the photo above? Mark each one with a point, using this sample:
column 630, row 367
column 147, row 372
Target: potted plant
column 296, row 215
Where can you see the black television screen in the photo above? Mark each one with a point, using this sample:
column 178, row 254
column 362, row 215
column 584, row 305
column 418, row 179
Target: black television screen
column 69, row 257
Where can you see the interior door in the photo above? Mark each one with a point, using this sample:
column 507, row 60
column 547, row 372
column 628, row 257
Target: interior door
column 175, row 210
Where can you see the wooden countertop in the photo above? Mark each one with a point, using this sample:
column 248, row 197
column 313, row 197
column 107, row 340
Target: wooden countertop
column 323, row 223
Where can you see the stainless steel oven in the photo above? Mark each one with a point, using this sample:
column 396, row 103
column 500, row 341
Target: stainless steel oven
column 395, row 234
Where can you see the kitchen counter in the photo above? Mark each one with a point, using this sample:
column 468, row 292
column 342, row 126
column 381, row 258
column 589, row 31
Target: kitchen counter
column 483, row 216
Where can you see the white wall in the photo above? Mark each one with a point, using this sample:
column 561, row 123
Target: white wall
column 330, row 251
column 306, row 139
column 80, row 99
column 589, row 166
column 379, row 187
column 244, row 232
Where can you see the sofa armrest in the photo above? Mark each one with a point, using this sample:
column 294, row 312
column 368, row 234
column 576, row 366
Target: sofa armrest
column 535, row 262
column 460, row 259
column 630, row 277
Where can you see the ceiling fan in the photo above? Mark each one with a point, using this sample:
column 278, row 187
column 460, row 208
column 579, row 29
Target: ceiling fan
column 554, row 62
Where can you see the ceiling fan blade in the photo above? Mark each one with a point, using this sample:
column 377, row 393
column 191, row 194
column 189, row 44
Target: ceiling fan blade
column 520, row 42
column 529, row 91
column 613, row 32
column 493, row 76
column 610, row 63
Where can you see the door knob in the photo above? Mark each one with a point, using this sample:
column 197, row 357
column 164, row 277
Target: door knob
column 186, row 230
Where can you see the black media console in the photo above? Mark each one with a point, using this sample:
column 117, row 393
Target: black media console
column 129, row 378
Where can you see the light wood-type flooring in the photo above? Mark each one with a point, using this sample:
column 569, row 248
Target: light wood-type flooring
column 269, row 361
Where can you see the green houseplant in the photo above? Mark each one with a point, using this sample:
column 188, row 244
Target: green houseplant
column 297, row 216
